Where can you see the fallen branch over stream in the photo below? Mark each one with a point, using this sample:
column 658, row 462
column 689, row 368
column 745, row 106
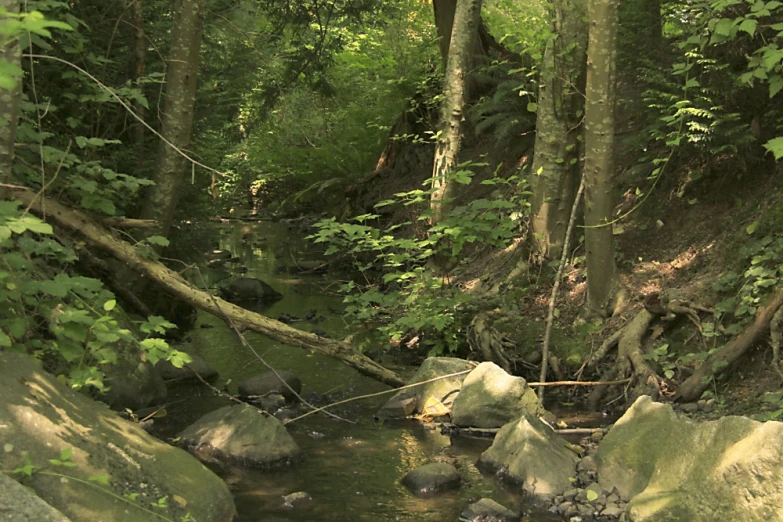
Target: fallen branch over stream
column 101, row 238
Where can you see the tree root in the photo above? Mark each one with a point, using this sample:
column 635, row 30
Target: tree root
column 695, row 385
column 630, row 361
column 485, row 339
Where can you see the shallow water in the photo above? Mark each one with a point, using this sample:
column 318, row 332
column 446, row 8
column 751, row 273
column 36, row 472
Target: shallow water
column 352, row 471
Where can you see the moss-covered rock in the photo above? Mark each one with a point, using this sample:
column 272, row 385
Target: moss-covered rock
column 677, row 469
column 40, row 417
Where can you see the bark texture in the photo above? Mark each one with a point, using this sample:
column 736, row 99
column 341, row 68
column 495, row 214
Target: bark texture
column 139, row 65
column 10, row 55
column 599, row 156
column 558, row 127
column 99, row 237
column 467, row 18
column 181, row 77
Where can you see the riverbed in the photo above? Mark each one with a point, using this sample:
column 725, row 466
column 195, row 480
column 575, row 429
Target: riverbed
column 352, row 471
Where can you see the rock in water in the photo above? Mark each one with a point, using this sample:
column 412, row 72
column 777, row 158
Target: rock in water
column 41, row 418
column 530, row 453
column 250, row 289
column 487, row 510
column 268, row 383
column 242, row 434
column 432, row 478
column 677, row 469
column 490, row 398
column 412, row 400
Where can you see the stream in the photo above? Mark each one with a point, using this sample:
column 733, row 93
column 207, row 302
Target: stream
column 352, row 471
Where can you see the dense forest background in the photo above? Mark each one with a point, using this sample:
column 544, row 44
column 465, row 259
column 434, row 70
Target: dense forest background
column 440, row 150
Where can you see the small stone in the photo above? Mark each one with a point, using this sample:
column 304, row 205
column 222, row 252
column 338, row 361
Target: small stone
column 587, row 464
column 596, row 488
column 487, row 509
column 689, row 407
column 597, row 436
column 586, row 510
column 296, row 499
column 710, row 406
column 571, row 494
column 564, row 507
column 701, row 403
column 613, row 499
column 612, row 510
column 432, row 478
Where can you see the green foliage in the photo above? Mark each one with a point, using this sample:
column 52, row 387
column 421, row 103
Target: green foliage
column 412, row 301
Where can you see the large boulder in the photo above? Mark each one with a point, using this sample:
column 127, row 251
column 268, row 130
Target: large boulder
column 430, row 479
column 268, row 383
column 490, row 398
column 242, row 434
column 411, row 401
column 244, row 289
column 40, row 418
column 19, row 504
column 528, row 452
column 677, row 469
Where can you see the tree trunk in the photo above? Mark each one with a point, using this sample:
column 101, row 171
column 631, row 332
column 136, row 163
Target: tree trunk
column 558, row 127
column 11, row 58
column 467, row 18
column 599, row 156
column 139, row 64
column 99, row 237
column 181, row 76
column 444, row 23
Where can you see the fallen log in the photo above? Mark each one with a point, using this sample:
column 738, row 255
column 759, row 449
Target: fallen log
column 101, row 238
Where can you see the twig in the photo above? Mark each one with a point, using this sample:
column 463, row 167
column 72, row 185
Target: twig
column 550, row 319
column 577, row 383
column 378, row 394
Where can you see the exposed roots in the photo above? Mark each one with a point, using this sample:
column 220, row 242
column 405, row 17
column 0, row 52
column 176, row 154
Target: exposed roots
column 485, row 339
column 630, row 361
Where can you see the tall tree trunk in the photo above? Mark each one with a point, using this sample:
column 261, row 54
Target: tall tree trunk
column 139, row 65
column 444, row 23
column 599, row 156
column 467, row 18
column 11, row 58
column 181, row 76
column 558, row 127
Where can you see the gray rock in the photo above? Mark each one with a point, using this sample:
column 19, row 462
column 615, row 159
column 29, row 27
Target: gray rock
column 20, row 504
column 186, row 374
column 677, row 469
column 490, row 398
column 585, row 510
column 487, row 510
column 534, row 456
column 242, row 434
column 42, row 417
column 267, row 383
column 432, row 478
column 245, row 289
column 689, row 407
column 595, row 488
column 297, row 499
column 588, row 463
column 271, row 402
column 612, row 510
column 443, row 390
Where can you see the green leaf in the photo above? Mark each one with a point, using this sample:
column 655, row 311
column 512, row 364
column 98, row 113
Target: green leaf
column 5, row 340
column 101, row 479
column 158, row 240
column 592, row 496
column 749, row 26
column 532, row 107
column 752, row 227
column 775, row 146
column 109, row 305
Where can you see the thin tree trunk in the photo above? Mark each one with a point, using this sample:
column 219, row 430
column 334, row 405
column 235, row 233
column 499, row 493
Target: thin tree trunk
column 11, row 58
column 599, row 156
column 444, row 24
column 467, row 18
column 558, row 127
column 181, row 77
column 139, row 65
